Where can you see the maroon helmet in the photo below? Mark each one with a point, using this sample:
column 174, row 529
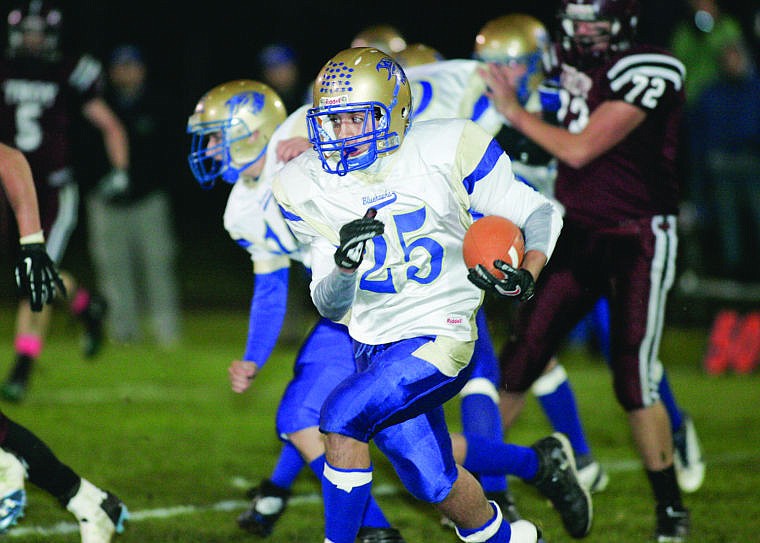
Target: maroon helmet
column 34, row 28
column 623, row 15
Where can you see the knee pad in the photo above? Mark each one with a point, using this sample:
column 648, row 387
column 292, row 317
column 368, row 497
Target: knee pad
column 550, row 381
column 480, row 385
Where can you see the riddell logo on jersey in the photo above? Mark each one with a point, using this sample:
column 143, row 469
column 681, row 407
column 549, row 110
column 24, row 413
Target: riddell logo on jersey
column 454, row 320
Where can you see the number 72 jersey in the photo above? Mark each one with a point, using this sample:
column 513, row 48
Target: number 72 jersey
column 637, row 177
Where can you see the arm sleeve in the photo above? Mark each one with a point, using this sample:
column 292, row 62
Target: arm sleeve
column 268, row 306
column 334, row 294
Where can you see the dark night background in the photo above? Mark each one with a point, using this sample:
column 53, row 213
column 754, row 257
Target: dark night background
column 190, row 48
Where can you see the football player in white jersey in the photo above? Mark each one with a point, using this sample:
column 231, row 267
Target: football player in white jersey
column 384, row 209
column 241, row 135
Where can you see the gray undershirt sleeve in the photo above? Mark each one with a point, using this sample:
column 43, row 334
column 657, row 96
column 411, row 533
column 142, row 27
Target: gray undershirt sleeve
column 334, row 295
column 537, row 229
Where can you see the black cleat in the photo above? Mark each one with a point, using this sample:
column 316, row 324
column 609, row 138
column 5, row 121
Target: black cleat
column 506, row 503
column 558, row 481
column 672, row 524
column 268, row 502
column 14, row 388
column 379, row 535
column 13, row 391
column 93, row 318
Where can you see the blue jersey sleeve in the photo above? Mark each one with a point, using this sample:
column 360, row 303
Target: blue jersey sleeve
column 268, row 306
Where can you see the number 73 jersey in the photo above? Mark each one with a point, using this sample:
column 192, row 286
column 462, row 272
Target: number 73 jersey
column 412, row 281
column 637, row 177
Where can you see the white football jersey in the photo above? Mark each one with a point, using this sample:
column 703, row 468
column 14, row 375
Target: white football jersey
column 412, row 280
column 252, row 217
column 452, row 89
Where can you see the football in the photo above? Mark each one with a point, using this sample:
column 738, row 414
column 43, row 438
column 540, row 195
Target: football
column 493, row 238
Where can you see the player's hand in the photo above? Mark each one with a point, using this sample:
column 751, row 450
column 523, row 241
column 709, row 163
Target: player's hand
column 517, row 283
column 290, row 148
column 353, row 237
column 114, row 185
column 500, row 91
column 36, row 276
column 242, row 374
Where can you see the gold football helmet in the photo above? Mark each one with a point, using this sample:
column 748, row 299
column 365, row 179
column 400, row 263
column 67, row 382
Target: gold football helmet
column 372, row 87
column 384, row 37
column 417, row 54
column 515, row 38
column 231, row 127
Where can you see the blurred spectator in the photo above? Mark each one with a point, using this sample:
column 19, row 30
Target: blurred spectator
column 727, row 119
column 130, row 230
column 696, row 41
column 280, row 70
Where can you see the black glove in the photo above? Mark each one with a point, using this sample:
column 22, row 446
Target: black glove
column 353, row 237
column 36, row 276
column 114, row 186
column 517, row 283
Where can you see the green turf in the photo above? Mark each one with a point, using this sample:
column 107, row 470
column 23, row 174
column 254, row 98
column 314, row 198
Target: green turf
column 163, row 431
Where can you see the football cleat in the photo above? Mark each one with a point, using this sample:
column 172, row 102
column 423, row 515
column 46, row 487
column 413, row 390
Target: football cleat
column 557, row 479
column 524, row 531
column 506, row 503
column 672, row 524
column 93, row 318
column 379, row 535
column 14, row 387
column 687, row 456
column 268, row 502
column 12, row 493
column 592, row 475
column 100, row 514
column 13, row 391
column 11, row 509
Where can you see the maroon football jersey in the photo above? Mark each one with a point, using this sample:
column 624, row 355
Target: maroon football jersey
column 39, row 102
column 637, row 177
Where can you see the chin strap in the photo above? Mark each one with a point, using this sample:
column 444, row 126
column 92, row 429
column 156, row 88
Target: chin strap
column 230, row 175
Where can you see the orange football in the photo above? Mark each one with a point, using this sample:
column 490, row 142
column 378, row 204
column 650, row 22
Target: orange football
column 493, row 238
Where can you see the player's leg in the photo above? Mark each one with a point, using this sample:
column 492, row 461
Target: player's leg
column 431, row 474
column 86, row 306
column 401, row 418
column 100, row 513
column 646, row 272
column 325, row 358
column 549, row 465
column 690, row 466
column 557, row 399
column 28, row 343
column 480, row 413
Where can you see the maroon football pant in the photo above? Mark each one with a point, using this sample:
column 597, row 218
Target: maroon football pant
column 634, row 267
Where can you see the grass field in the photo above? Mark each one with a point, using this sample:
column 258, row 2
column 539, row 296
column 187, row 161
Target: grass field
column 165, row 433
